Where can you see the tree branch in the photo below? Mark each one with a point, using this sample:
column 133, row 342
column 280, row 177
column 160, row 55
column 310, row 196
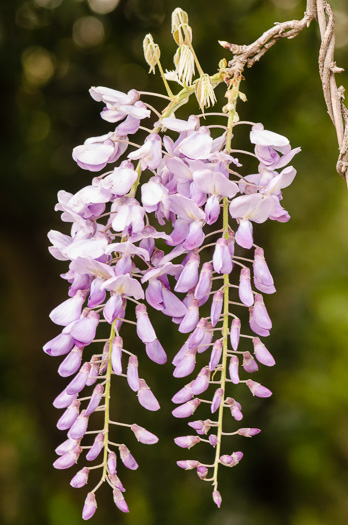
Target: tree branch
column 319, row 10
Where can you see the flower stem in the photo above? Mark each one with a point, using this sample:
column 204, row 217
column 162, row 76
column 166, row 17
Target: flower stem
column 107, row 402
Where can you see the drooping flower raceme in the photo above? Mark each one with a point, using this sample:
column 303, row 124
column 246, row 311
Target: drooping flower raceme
column 184, row 186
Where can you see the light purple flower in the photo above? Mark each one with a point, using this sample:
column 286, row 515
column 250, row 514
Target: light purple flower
column 187, row 409
column 146, row 398
column 187, row 441
column 63, row 400
column 112, row 462
column 79, row 382
column 184, row 394
column 69, row 310
column 132, row 373
column 215, row 355
column 127, row 458
column 245, row 291
column 95, row 400
column 79, row 427
column 156, row 353
column 116, row 355
column 143, row 435
column 150, row 153
column 69, row 417
column 89, row 507
column 204, row 282
column 68, row 459
column 217, row 399
column 189, row 276
column 217, row 498
column 84, row 330
column 71, row 363
column 188, row 464
column 233, row 369
column 248, row 432
column 119, row 500
column 201, row 383
column 263, row 279
column 216, row 307
column 257, row 389
column 222, row 260
column 249, row 363
column 96, row 448
column 186, row 364
column 145, row 329
column 262, row 354
column 80, row 479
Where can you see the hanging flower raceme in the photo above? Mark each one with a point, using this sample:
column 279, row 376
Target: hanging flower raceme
column 169, row 227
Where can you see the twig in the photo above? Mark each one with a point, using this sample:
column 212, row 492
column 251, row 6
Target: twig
column 321, row 11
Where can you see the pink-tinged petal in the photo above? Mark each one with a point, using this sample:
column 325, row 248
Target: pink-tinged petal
column 59, row 345
column 120, row 181
column 124, row 284
column 201, row 383
column 186, row 364
column 235, row 333
column 93, row 157
column 189, row 275
column 185, row 208
column 233, row 369
column 155, row 352
column 217, row 400
column 94, row 371
column 255, row 207
column 89, row 507
column 128, row 127
column 197, row 335
column 187, row 441
column 244, row 234
column 67, row 445
column 262, row 275
column 119, row 500
column 70, row 415
column 249, row 363
column 215, row 183
column 84, row 329
column 231, row 460
column 215, row 355
column 176, row 124
column 112, row 96
column 80, row 479
column 201, row 427
column 263, row 137
column 184, row 394
column 143, row 435
column 236, row 409
column 191, row 318
column 69, row 459
column 116, row 355
column 245, row 290
column 63, row 400
column 216, row 307
column 172, row 305
column 187, row 409
column 206, row 339
column 286, row 158
column 257, row 389
column 127, row 458
column 132, row 373
column 188, row 464
column 222, row 260
column 96, row 448
column 71, row 363
column 146, row 398
column 248, row 432
column 204, row 282
column 260, row 313
column 112, row 308
column 212, row 209
column 202, row 471
column 112, row 463
column 79, row 382
column 217, row 498
column 262, row 354
column 283, row 180
column 196, row 146
column 257, row 329
column 145, row 329
column 79, row 427
column 213, row 440
column 95, row 400
column 195, row 236
column 69, row 310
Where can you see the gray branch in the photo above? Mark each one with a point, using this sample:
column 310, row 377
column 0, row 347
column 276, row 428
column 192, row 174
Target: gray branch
column 319, row 10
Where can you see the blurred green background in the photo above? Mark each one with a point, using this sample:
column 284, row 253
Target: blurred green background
column 296, row 471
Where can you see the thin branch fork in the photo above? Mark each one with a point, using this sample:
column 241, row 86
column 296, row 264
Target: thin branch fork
column 321, row 11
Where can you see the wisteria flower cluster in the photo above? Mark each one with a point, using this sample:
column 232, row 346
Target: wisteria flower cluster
column 211, row 278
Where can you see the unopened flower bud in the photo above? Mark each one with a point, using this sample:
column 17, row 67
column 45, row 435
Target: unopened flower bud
column 111, row 462
column 143, row 435
column 119, row 500
column 217, row 498
column 127, row 458
column 181, row 31
column 152, row 52
column 202, row 471
column 89, row 507
column 80, row 479
column 187, row 441
column 188, row 464
column 248, row 432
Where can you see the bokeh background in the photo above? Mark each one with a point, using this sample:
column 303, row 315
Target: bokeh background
column 296, row 471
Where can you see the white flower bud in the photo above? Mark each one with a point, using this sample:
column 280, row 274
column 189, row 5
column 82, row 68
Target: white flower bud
column 152, row 52
column 182, row 32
